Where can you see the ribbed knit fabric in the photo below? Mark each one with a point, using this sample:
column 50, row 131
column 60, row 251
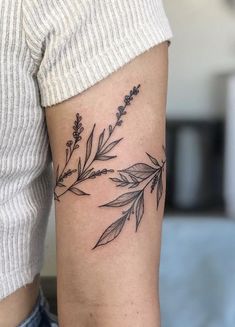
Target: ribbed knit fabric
column 49, row 52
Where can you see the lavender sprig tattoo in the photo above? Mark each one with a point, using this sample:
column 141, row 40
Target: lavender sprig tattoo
column 133, row 177
column 70, row 147
column 86, row 170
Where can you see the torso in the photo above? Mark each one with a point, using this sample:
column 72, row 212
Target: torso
column 25, row 167
column 18, row 306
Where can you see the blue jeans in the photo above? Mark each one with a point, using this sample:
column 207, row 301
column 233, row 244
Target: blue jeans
column 40, row 316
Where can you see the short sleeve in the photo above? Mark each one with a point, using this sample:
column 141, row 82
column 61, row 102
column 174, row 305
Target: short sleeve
column 77, row 43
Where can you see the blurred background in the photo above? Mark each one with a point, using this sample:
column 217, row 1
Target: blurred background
column 197, row 273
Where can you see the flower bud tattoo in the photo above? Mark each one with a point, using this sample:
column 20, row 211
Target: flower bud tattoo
column 137, row 177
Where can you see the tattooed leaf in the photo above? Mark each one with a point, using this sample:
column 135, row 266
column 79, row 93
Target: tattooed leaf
column 139, row 211
column 85, row 174
column 119, row 182
column 111, row 232
column 134, row 179
column 56, row 198
column 123, row 177
column 101, row 138
column 89, row 144
column 77, row 191
column 121, row 109
column 111, row 146
column 133, row 185
column 123, row 199
column 123, row 184
column 67, row 153
column 116, row 180
column 154, row 161
column 154, row 182
column 79, row 167
column 60, row 184
column 159, row 189
column 110, row 129
column 140, row 171
column 134, row 182
column 104, row 158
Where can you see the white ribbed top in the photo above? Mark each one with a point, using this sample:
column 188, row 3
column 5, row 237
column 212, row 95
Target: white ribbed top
column 50, row 51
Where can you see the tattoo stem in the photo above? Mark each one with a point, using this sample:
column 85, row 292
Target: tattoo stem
column 153, row 176
column 134, row 198
column 101, row 152
column 67, row 161
column 118, row 119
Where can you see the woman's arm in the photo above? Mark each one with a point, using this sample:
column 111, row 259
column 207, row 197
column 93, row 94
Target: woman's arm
column 110, row 166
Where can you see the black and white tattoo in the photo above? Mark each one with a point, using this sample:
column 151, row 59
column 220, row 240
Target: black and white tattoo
column 137, row 177
column 85, row 167
column 140, row 175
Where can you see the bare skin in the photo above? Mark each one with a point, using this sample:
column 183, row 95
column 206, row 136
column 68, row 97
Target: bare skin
column 17, row 306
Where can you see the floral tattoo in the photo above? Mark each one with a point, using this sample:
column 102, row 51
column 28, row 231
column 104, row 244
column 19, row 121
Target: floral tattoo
column 137, row 177
column 85, row 170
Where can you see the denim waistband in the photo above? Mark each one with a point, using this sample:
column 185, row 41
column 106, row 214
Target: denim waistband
column 40, row 316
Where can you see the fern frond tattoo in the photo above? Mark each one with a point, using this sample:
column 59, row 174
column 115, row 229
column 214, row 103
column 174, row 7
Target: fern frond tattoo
column 133, row 177
column 85, row 167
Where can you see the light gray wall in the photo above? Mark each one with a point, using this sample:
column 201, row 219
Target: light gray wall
column 202, row 50
column 50, row 248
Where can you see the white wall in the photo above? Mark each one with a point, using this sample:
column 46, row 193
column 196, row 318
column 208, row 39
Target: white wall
column 203, row 48
column 50, row 248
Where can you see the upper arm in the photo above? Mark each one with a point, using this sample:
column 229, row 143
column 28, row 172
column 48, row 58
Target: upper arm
column 105, row 98
column 90, row 131
column 109, row 166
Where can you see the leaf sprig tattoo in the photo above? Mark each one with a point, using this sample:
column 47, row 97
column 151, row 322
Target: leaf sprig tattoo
column 132, row 177
column 85, row 168
column 138, row 177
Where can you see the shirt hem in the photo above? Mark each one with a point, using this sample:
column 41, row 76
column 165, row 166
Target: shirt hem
column 55, row 89
column 13, row 280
